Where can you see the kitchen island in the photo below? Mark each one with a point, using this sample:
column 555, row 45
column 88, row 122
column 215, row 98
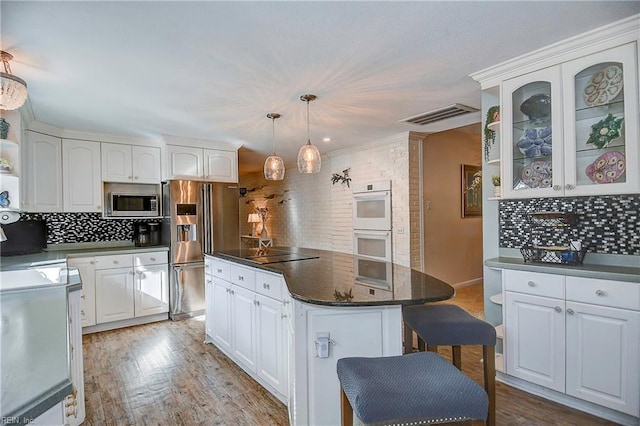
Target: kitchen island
column 286, row 315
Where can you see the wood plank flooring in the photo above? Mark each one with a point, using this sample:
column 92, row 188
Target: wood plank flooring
column 163, row 374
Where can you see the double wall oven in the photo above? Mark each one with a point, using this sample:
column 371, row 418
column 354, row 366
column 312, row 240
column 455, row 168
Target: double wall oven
column 372, row 233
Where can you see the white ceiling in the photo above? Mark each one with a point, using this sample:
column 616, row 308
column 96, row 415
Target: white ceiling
column 213, row 70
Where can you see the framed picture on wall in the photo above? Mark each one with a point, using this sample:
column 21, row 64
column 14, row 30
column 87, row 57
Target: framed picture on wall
column 471, row 191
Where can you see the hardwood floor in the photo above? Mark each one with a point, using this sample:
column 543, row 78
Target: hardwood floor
column 163, row 374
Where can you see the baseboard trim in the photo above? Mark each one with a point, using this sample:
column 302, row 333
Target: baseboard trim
column 124, row 323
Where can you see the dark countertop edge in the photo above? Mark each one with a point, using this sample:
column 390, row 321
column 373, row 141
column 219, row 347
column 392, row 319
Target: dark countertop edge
column 617, row 273
column 265, row 267
column 28, row 412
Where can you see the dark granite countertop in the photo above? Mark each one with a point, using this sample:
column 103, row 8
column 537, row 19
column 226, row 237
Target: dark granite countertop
column 331, row 278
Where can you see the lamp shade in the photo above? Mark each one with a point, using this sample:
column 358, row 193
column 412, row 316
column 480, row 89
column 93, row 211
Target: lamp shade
column 309, row 160
column 13, row 90
column 254, row 218
column 274, row 168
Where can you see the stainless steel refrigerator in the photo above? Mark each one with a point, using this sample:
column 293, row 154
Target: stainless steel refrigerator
column 199, row 217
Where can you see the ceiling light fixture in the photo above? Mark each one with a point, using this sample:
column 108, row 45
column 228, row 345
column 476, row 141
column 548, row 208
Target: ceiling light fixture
column 273, row 165
column 308, row 156
column 13, row 90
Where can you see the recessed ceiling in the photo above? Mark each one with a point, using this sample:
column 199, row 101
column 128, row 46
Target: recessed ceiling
column 214, row 70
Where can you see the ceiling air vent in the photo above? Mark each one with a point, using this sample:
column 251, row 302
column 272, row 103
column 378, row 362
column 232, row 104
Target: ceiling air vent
column 440, row 114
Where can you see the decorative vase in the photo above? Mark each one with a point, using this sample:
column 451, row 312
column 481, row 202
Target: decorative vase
column 497, row 191
column 264, row 235
column 4, row 128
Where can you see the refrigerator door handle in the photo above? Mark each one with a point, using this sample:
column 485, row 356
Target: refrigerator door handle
column 206, row 217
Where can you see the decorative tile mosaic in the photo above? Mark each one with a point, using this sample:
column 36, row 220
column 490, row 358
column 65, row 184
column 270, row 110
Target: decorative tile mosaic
column 84, row 227
column 605, row 224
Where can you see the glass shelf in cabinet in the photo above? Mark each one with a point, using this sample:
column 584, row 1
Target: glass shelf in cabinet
column 528, row 124
column 601, row 111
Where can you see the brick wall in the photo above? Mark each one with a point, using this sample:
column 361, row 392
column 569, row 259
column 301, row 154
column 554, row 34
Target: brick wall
column 310, row 211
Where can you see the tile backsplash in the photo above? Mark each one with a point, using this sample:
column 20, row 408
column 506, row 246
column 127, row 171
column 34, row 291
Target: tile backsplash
column 605, row 224
column 83, row 227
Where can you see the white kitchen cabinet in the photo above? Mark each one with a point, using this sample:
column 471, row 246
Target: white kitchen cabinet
column 151, row 290
column 219, row 316
column 114, row 295
column 535, row 339
column 203, row 164
column 243, row 327
column 74, row 408
column 551, row 121
column 577, row 336
column 184, row 162
column 43, row 173
column 86, row 267
column 246, row 319
column 82, row 187
column 220, row 166
column 130, row 163
column 131, row 286
column 271, row 347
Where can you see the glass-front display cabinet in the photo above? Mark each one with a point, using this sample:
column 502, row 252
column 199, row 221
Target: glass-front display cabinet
column 572, row 129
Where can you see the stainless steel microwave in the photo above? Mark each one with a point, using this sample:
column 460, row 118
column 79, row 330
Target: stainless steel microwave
column 133, row 205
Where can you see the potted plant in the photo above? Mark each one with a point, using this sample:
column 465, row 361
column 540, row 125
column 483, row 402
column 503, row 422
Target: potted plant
column 495, row 180
column 493, row 116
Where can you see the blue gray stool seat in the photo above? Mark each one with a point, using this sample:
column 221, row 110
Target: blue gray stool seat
column 418, row 388
column 450, row 325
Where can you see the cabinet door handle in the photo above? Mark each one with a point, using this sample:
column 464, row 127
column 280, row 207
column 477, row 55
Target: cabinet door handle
column 233, row 292
column 228, row 290
column 132, row 273
column 208, row 281
column 283, row 316
column 531, row 284
column 556, row 187
column 558, row 309
column 570, row 311
column 569, row 186
column 600, row 293
column 135, row 177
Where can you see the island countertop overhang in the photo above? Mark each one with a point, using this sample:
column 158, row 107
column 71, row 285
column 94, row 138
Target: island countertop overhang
column 329, row 278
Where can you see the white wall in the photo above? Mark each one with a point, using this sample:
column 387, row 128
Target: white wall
column 307, row 210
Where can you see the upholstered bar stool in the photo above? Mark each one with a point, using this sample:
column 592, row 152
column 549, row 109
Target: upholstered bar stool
column 450, row 325
column 419, row 388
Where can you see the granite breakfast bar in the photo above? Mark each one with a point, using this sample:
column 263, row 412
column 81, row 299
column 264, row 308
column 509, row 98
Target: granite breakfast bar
column 287, row 315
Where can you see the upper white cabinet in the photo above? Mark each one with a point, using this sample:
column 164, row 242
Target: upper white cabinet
column 220, row 166
column 44, row 173
column 10, row 174
column 130, row 163
column 202, row 164
column 572, row 129
column 81, row 176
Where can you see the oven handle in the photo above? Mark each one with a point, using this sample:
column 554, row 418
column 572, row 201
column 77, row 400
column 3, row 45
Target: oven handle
column 372, row 232
column 372, row 194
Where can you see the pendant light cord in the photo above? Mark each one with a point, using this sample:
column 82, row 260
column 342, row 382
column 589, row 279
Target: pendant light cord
column 273, row 135
column 308, row 137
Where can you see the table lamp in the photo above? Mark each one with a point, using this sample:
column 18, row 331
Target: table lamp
column 253, row 219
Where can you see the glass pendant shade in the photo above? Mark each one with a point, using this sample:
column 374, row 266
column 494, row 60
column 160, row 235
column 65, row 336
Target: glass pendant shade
column 13, row 90
column 274, row 165
column 308, row 156
column 273, row 168
column 309, row 160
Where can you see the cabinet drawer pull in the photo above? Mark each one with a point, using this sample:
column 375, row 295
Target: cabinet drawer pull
column 558, row 309
column 600, row 293
column 256, row 302
column 115, row 262
column 219, row 270
column 265, row 285
column 570, row 311
column 531, row 284
column 153, row 259
column 240, row 278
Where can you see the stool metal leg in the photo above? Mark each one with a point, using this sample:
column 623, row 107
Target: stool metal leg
column 489, row 355
column 346, row 408
column 456, row 355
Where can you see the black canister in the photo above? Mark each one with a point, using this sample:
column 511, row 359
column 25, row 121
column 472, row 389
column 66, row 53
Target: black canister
column 154, row 234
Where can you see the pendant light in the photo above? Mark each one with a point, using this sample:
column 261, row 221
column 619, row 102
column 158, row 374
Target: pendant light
column 273, row 165
column 13, row 90
column 308, row 156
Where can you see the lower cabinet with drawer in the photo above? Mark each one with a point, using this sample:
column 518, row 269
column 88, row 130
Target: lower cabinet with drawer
column 577, row 336
column 245, row 318
column 130, row 289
